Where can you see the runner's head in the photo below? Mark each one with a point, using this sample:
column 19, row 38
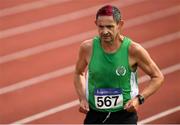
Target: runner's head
column 109, row 23
column 109, row 10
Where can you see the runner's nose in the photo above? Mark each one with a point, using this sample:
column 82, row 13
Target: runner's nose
column 105, row 33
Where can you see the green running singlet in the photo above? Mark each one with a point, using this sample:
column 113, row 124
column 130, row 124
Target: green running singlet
column 110, row 81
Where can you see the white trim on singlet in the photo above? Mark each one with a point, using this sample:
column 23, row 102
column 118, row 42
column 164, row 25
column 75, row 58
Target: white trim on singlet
column 134, row 85
column 87, row 90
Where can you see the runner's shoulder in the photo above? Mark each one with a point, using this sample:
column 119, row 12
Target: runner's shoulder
column 86, row 45
column 135, row 48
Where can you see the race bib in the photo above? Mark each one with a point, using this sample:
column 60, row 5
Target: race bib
column 106, row 98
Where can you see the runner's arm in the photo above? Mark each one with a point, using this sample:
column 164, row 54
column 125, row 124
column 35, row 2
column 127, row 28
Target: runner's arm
column 79, row 75
column 145, row 62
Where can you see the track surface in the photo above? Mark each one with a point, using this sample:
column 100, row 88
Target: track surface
column 39, row 46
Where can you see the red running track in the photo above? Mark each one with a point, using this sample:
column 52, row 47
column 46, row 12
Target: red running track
column 45, row 94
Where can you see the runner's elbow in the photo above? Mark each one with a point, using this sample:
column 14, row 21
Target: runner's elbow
column 161, row 79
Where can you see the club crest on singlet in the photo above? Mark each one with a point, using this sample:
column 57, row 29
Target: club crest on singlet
column 121, row 71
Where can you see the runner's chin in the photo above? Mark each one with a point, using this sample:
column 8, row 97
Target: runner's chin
column 107, row 39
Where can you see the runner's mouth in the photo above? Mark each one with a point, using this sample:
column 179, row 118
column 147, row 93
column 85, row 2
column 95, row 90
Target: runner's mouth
column 106, row 36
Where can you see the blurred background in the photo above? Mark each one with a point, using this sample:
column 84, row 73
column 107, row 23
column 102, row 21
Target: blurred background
column 39, row 43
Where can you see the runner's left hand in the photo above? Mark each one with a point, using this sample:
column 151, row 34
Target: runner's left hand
column 132, row 105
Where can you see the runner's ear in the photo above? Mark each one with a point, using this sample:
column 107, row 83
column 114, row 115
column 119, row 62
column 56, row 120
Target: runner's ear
column 95, row 22
column 120, row 25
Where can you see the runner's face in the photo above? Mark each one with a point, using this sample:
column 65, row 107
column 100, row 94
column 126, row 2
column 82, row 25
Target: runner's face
column 108, row 29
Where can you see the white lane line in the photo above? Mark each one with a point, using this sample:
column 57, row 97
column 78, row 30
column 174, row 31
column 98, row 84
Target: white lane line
column 28, row 7
column 61, row 19
column 38, row 79
column 160, row 115
column 162, row 40
column 76, row 102
column 69, row 69
column 46, row 47
column 77, row 38
column 164, row 71
column 154, row 16
column 48, row 112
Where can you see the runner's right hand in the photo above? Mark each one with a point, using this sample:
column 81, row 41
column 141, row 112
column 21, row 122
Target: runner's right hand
column 84, row 106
